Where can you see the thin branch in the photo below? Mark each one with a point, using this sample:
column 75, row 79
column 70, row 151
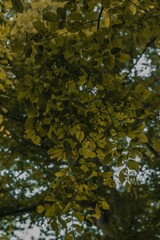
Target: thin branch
column 155, row 17
column 12, row 212
column 12, row 116
column 156, row 154
column 99, row 19
column 140, row 55
column 22, row 208
column 124, row 87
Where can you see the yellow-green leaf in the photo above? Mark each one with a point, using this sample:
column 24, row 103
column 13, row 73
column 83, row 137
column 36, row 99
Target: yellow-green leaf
column 36, row 139
column 1, row 87
column 60, row 174
column 79, row 216
column 80, row 136
column 40, row 209
column 156, row 144
column 94, row 174
column 133, row 9
column 105, row 205
column 2, row 75
column 97, row 211
column 90, row 154
column 81, row 198
column 124, row 57
column 142, row 137
column 1, row 119
column 107, row 21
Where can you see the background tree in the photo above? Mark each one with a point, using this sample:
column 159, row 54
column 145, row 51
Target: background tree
column 73, row 109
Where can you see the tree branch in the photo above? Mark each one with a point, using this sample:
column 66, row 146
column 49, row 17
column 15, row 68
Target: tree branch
column 156, row 154
column 17, row 208
column 99, row 19
column 140, row 55
column 155, row 17
column 13, row 117
column 12, row 212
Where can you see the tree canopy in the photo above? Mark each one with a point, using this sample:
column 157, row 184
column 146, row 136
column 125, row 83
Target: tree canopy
column 79, row 121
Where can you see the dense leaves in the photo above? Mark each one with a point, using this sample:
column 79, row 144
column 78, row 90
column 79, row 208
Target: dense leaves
column 78, row 121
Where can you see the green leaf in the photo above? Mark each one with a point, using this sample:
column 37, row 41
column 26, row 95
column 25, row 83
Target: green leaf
column 90, row 220
column 56, row 153
column 109, row 61
column 81, row 198
column 94, row 174
column 79, row 216
column 122, row 176
column 89, row 154
column 69, row 236
column 124, row 57
column 156, row 145
column 1, row 87
column 140, row 88
column 48, row 199
column 133, row 165
column 60, row 174
column 97, row 211
column 17, row 5
column 107, row 174
column 22, row 95
column 62, row 222
column 50, row 17
column 40, row 209
column 133, row 9
column 80, row 136
column 67, row 207
column 54, row 27
column 1, row 119
column 107, row 20
column 36, row 139
column 39, row 26
column 54, row 225
column 84, row 168
column 2, row 75
column 138, row 128
column 61, row 12
column 29, row 123
column 142, row 137
column 105, row 205
column 78, row 228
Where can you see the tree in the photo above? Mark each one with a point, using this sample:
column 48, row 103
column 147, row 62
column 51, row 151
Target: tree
column 74, row 107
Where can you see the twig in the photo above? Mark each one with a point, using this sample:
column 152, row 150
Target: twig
column 155, row 17
column 12, row 212
column 156, row 154
column 99, row 19
column 144, row 50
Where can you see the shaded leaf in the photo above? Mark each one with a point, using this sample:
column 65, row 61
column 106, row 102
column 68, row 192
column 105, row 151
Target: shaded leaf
column 17, row 5
column 133, row 165
column 156, row 144
column 50, row 17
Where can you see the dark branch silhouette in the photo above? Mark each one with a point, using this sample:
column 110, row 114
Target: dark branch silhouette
column 99, row 19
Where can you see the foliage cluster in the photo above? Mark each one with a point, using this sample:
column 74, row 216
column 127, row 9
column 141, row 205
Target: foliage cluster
column 74, row 108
